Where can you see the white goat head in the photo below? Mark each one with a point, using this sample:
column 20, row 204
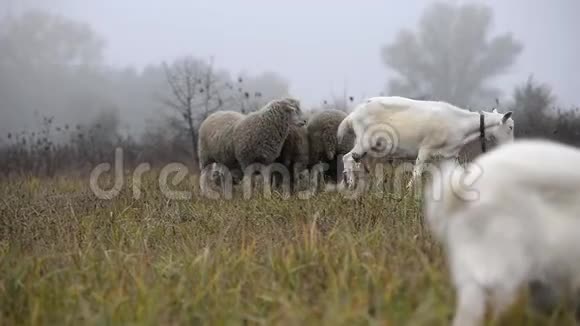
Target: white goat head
column 502, row 129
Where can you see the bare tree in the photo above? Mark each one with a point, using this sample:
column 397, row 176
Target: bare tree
column 196, row 92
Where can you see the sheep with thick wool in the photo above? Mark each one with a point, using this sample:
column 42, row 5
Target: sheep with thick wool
column 295, row 153
column 509, row 221
column 322, row 137
column 322, row 127
column 216, row 146
column 260, row 136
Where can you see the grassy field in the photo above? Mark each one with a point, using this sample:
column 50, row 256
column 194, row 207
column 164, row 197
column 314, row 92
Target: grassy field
column 68, row 258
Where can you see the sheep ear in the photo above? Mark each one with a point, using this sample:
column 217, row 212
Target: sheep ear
column 506, row 116
column 494, row 110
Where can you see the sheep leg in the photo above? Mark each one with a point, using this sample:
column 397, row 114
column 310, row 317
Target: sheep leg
column 332, row 170
column 206, row 176
column 203, row 182
column 470, row 309
column 422, row 156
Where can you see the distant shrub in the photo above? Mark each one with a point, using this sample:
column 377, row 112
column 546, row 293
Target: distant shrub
column 537, row 116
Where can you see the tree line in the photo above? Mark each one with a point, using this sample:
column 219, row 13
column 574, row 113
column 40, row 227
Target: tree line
column 63, row 108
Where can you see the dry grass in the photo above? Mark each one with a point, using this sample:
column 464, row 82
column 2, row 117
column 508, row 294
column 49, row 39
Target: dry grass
column 69, row 258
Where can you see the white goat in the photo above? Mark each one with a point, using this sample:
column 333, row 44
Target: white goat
column 397, row 127
column 522, row 227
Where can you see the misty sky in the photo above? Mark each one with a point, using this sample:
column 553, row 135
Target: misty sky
column 320, row 46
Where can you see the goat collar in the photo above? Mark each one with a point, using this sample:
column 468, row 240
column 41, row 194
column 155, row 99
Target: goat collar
column 482, row 132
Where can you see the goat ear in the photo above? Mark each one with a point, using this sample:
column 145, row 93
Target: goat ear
column 506, row 116
column 494, row 110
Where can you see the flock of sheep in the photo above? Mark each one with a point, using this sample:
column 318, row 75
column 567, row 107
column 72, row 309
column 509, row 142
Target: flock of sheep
column 231, row 144
column 520, row 229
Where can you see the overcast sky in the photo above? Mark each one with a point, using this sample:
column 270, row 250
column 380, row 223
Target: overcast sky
column 320, row 46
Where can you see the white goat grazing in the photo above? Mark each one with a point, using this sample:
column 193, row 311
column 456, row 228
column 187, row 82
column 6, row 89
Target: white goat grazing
column 397, row 127
column 523, row 227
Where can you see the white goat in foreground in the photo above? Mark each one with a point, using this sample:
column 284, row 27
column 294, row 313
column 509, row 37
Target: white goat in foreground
column 524, row 227
column 397, row 127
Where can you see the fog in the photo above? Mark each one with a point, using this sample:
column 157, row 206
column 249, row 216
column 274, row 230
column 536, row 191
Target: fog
column 323, row 49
